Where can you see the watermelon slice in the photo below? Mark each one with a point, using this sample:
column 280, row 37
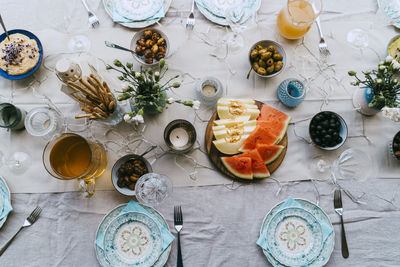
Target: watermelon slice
column 257, row 162
column 277, row 128
column 268, row 113
column 269, row 153
column 258, row 136
column 240, row 167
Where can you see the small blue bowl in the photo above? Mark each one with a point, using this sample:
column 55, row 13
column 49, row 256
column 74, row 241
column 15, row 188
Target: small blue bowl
column 32, row 36
column 342, row 133
column 291, row 92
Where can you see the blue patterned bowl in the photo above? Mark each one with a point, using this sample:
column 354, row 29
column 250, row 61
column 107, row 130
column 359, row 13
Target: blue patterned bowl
column 29, row 73
column 291, row 92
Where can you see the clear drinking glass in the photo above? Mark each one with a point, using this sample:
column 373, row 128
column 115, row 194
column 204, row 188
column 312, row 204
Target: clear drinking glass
column 296, row 18
column 11, row 117
column 239, row 18
column 355, row 164
column 152, row 189
column 44, row 122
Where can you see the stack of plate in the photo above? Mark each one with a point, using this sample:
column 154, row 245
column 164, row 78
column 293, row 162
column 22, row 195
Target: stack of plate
column 136, row 13
column 297, row 235
column 5, row 201
column 132, row 238
column 216, row 10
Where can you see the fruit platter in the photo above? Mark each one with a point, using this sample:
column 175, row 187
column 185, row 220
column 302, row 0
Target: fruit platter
column 246, row 139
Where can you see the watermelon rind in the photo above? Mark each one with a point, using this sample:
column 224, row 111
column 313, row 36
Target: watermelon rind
column 248, row 176
column 275, row 156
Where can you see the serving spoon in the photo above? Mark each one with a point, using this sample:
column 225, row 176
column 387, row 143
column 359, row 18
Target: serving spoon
column 109, row 44
column 4, row 28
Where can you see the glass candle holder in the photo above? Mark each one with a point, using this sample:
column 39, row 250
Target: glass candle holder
column 291, row 92
column 44, row 122
column 180, row 136
column 209, row 90
column 11, row 117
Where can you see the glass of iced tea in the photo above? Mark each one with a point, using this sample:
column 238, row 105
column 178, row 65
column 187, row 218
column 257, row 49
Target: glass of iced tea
column 295, row 19
column 70, row 156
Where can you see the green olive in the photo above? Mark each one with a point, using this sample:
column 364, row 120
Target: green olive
column 266, row 56
column 271, row 49
column 261, row 71
column 259, row 47
column 256, row 66
column 262, row 63
column 270, row 62
column 270, row 69
column 277, row 56
column 278, row 65
column 262, row 51
column 254, row 54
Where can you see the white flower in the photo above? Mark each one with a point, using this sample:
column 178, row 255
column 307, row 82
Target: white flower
column 382, row 67
column 396, row 65
column 388, row 59
column 391, row 113
column 137, row 75
column 156, row 73
column 378, row 80
column 137, row 119
column 196, row 104
column 170, row 100
column 127, row 117
column 381, row 63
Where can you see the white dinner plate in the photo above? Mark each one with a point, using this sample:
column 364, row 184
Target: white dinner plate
column 4, row 188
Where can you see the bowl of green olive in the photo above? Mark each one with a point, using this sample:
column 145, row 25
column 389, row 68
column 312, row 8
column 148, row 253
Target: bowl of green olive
column 267, row 58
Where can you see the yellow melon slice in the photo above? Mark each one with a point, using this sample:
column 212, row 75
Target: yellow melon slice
column 232, row 121
column 226, row 101
column 230, row 146
column 239, row 124
column 227, row 112
column 232, row 131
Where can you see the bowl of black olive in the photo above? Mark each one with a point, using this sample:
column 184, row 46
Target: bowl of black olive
column 328, row 130
column 267, row 58
column 127, row 171
column 150, row 46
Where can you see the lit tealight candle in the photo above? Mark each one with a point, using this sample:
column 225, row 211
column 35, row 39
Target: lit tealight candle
column 179, row 137
column 209, row 90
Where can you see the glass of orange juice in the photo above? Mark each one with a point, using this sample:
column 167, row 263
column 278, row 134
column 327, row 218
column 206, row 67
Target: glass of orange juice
column 295, row 19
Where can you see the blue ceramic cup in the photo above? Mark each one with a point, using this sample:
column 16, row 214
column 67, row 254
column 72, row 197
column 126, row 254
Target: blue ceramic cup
column 291, row 92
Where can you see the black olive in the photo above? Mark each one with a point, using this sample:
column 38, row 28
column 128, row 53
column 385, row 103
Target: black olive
column 319, row 127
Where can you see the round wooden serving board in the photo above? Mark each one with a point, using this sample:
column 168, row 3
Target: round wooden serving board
column 214, row 155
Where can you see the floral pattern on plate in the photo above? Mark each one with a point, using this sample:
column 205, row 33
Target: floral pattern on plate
column 219, row 7
column 109, row 217
column 137, row 9
column 318, row 213
column 294, row 237
column 139, row 233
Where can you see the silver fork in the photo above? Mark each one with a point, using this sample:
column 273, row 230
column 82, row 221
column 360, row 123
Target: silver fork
column 337, row 202
column 28, row 222
column 93, row 20
column 178, row 221
column 190, row 20
column 323, row 46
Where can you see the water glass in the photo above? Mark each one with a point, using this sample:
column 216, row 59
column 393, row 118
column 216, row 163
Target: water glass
column 291, row 92
column 152, row 189
column 44, row 122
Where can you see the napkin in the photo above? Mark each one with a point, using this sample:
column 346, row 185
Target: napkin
column 290, row 202
column 6, row 209
column 132, row 206
column 121, row 19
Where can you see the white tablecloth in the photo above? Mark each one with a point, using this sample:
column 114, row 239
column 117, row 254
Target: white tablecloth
column 221, row 225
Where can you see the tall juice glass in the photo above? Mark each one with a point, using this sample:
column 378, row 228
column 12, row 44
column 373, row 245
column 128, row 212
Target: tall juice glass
column 295, row 19
column 70, row 156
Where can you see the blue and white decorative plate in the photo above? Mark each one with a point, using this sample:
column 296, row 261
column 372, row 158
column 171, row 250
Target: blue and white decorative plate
column 137, row 9
column 220, row 19
column 39, row 44
column 294, row 237
column 219, row 7
column 6, row 191
column 162, row 260
column 132, row 239
column 108, row 5
column 319, row 214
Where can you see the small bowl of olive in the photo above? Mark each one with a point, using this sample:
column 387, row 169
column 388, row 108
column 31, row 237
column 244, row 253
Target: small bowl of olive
column 150, row 46
column 267, row 58
column 127, row 171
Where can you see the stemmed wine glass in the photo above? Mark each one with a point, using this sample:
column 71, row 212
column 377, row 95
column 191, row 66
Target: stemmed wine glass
column 239, row 18
column 353, row 163
column 18, row 162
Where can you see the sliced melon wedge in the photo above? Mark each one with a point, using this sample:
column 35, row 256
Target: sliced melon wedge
column 239, row 167
column 227, row 112
column 233, row 121
column 226, row 101
column 228, row 146
column 240, row 124
column 239, row 130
